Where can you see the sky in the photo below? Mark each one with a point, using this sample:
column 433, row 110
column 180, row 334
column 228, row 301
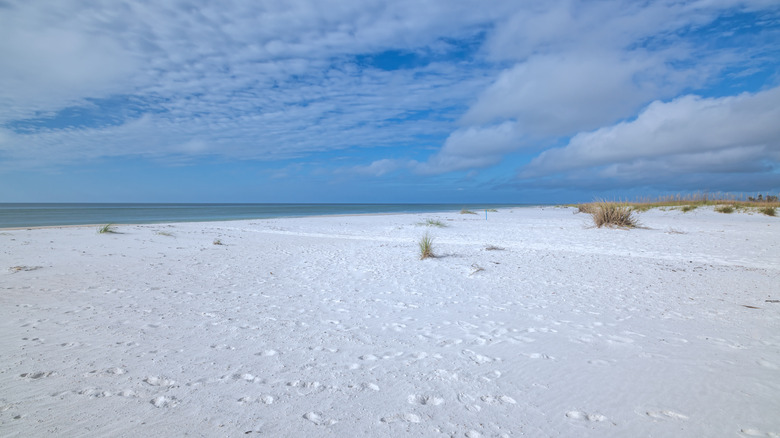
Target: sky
column 387, row 101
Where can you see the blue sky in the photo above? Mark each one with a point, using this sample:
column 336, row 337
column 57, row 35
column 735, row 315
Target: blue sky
column 387, row 101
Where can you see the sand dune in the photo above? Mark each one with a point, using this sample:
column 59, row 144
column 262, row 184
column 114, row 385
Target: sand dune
column 529, row 323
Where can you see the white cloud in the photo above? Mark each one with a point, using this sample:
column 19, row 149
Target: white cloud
column 473, row 148
column 277, row 80
column 268, row 80
column 691, row 133
column 578, row 66
column 556, row 95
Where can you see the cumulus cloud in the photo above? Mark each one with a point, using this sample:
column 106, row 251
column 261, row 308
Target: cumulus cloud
column 701, row 133
column 578, row 66
column 554, row 95
column 279, row 80
column 473, row 147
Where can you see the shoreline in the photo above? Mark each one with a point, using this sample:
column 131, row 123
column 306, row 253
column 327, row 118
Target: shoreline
column 199, row 220
column 532, row 322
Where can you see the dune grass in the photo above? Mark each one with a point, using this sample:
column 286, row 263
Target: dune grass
column 107, row 229
column 725, row 209
column 426, row 246
column 467, row 211
column 611, row 214
column 433, row 223
column 769, row 211
column 724, row 203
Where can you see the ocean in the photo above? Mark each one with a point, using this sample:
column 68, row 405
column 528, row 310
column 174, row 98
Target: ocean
column 20, row 215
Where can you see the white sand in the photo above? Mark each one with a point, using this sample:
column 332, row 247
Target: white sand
column 333, row 327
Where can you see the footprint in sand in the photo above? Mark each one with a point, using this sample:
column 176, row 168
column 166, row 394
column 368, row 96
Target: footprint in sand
column 666, row 415
column 498, row 399
column 164, row 401
column 420, row 399
column 247, row 377
column 159, row 381
column 95, row 393
column 264, row 399
column 579, row 415
column 318, row 419
column 408, row 418
column 364, row 386
column 476, row 357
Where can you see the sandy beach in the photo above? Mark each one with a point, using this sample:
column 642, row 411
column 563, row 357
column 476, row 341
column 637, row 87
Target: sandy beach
column 528, row 323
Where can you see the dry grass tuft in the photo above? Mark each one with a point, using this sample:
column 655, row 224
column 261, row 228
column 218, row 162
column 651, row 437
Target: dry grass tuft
column 466, row 211
column 613, row 215
column 493, row 248
column 426, row 246
column 584, row 208
column 687, row 208
column 769, row 211
column 218, row 242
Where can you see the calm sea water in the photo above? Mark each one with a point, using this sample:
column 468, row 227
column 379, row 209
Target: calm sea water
column 36, row 215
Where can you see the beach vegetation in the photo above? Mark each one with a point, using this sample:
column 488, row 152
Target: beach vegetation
column 492, row 210
column 217, row 242
column 690, row 202
column 164, row 233
column 433, row 223
column 725, row 209
column 584, row 208
column 467, row 211
column 426, row 246
column 613, row 215
column 107, row 228
column 493, row 248
column 769, row 211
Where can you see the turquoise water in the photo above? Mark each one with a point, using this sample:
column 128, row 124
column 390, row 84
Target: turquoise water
column 37, row 215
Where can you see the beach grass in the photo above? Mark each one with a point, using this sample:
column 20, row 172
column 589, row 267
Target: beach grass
column 725, row 209
column 769, row 210
column 721, row 202
column 433, row 223
column 612, row 214
column 107, row 228
column 164, row 233
column 426, row 246
column 467, row 211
